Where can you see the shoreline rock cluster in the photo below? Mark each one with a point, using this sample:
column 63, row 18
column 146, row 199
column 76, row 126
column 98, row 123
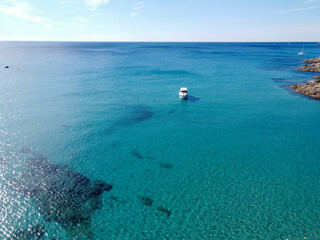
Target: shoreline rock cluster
column 312, row 88
column 314, row 65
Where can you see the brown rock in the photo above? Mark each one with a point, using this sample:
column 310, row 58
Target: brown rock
column 316, row 77
column 311, row 89
column 313, row 60
column 313, row 67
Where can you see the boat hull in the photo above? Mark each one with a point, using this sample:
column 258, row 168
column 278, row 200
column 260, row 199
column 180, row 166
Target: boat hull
column 183, row 96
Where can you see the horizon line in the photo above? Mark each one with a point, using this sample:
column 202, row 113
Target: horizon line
column 108, row 41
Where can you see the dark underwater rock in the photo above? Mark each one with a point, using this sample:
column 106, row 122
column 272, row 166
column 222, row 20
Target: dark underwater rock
column 139, row 156
column 136, row 114
column 139, row 114
column 136, row 154
column 60, row 193
column 164, row 210
column 166, row 165
column 36, row 232
column 146, row 201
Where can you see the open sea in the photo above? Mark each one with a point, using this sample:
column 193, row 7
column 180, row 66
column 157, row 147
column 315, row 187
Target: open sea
column 96, row 144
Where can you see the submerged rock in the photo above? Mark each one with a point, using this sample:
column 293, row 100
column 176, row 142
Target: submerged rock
column 135, row 115
column 136, row 154
column 164, row 210
column 36, row 232
column 139, row 156
column 310, row 89
column 146, row 201
column 166, row 165
column 60, row 193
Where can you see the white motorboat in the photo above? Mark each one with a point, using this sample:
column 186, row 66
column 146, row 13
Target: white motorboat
column 183, row 93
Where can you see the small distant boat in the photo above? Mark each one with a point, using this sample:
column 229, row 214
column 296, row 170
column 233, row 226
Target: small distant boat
column 6, row 66
column 183, row 93
column 301, row 53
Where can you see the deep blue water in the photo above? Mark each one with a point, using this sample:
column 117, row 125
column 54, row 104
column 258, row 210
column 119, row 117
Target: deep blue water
column 239, row 160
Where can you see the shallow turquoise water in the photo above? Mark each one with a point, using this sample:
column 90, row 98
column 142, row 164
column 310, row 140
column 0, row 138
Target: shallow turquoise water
column 238, row 160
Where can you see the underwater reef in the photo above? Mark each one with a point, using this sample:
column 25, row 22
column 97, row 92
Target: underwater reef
column 60, row 194
column 147, row 201
column 34, row 233
column 135, row 115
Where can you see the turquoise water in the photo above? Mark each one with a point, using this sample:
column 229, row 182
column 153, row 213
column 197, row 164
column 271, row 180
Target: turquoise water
column 238, row 160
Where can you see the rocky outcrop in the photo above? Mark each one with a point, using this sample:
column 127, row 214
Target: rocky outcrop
column 313, row 60
column 316, row 77
column 313, row 67
column 60, row 193
column 311, row 89
column 318, row 43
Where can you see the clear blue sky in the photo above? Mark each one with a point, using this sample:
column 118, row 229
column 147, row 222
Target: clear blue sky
column 160, row 20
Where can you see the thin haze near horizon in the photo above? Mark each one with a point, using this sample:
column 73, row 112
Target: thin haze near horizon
column 165, row 20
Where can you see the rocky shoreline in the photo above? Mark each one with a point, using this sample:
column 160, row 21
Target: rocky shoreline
column 312, row 88
column 313, row 67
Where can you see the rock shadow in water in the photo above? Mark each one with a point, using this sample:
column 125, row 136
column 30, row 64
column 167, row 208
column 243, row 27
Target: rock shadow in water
column 61, row 194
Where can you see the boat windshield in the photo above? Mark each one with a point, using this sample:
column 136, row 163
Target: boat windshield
column 183, row 91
